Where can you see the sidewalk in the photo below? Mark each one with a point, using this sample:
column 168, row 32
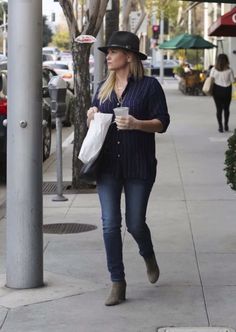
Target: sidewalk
column 192, row 219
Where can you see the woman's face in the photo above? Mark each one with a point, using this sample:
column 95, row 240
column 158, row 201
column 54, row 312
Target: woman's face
column 117, row 59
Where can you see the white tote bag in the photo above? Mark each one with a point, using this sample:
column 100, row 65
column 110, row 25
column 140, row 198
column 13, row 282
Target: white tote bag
column 95, row 137
column 208, row 86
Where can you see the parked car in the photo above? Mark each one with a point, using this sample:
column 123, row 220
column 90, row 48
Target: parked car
column 47, row 57
column 3, row 57
column 67, row 120
column 64, row 69
column 46, row 115
column 54, row 51
column 66, row 56
column 3, row 65
column 169, row 65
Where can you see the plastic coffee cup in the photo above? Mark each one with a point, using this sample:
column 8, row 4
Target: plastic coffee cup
column 121, row 111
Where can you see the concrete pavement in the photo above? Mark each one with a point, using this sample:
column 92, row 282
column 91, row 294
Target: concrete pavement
column 192, row 219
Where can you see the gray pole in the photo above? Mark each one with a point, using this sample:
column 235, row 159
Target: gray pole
column 99, row 59
column 59, row 197
column 24, row 256
column 4, row 46
column 161, row 51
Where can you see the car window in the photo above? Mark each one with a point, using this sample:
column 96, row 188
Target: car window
column 48, row 52
column 46, row 77
column 59, row 66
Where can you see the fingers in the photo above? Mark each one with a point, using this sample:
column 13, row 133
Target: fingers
column 124, row 122
column 91, row 111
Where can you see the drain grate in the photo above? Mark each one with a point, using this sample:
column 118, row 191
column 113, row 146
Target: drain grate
column 51, row 188
column 67, row 228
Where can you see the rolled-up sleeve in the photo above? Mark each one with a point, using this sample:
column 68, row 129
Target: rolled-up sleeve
column 157, row 105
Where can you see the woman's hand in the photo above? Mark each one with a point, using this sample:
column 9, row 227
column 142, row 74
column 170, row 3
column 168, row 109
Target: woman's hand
column 126, row 122
column 130, row 123
column 90, row 114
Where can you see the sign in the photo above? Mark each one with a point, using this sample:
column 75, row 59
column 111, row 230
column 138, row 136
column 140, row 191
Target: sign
column 109, row 5
column 134, row 18
column 85, row 39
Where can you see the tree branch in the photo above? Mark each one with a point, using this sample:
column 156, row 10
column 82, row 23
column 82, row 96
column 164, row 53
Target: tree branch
column 97, row 9
column 142, row 16
column 68, row 11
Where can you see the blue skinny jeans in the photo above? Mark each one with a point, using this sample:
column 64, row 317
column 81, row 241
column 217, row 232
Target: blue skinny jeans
column 136, row 193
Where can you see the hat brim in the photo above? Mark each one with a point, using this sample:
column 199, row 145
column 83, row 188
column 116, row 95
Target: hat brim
column 105, row 49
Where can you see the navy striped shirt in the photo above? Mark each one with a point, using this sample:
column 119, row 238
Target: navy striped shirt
column 131, row 153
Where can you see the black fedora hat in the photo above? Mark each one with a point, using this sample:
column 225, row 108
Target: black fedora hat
column 125, row 40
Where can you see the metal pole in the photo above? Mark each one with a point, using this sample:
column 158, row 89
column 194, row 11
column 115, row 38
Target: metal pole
column 59, row 197
column 4, row 46
column 206, row 25
column 190, row 21
column 24, row 256
column 161, row 51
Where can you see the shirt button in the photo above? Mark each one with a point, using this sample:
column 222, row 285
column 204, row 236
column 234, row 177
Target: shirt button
column 118, row 142
column 118, row 155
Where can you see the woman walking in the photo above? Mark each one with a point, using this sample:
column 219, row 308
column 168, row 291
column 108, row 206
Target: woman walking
column 128, row 159
column 222, row 89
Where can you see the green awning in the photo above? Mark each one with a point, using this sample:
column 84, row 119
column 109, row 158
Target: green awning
column 186, row 41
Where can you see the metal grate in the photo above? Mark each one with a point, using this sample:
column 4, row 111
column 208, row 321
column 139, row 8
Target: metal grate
column 51, row 188
column 67, row 228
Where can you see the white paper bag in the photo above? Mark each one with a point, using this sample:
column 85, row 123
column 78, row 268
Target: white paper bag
column 95, row 137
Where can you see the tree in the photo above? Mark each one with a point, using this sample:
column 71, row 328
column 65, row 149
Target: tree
column 3, row 8
column 61, row 38
column 173, row 10
column 112, row 20
column 47, row 32
column 80, row 54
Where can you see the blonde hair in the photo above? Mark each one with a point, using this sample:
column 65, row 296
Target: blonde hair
column 135, row 69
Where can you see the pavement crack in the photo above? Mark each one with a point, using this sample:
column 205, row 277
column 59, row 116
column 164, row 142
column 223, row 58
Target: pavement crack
column 191, row 231
column 5, row 318
column 46, row 246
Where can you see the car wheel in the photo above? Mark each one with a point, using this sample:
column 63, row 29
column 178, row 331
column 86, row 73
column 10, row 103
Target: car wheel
column 3, row 169
column 47, row 136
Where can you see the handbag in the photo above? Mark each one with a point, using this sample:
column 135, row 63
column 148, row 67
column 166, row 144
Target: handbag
column 208, row 86
column 89, row 171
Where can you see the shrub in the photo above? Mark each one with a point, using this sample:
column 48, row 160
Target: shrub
column 198, row 67
column 178, row 70
column 230, row 161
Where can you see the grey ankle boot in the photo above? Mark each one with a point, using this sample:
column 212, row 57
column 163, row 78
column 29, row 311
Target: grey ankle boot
column 117, row 293
column 153, row 271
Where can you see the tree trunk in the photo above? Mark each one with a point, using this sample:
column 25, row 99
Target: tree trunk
column 83, row 102
column 112, row 20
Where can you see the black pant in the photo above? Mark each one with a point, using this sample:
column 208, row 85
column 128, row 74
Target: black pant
column 222, row 97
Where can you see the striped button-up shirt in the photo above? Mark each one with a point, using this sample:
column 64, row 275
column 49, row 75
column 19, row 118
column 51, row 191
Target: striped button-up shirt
column 131, row 153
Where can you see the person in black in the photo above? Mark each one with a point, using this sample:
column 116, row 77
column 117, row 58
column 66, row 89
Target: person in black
column 222, row 90
column 128, row 158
